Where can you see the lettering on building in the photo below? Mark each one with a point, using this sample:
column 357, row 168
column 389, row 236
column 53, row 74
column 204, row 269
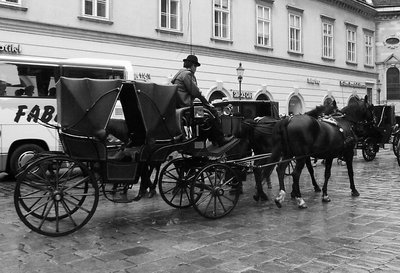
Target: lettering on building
column 243, row 95
column 313, row 81
column 10, row 48
column 143, row 76
column 352, row 84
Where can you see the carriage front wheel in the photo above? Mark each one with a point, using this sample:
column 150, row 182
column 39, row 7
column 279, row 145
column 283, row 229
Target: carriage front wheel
column 174, row 182
column 369, row 149
column 215, row 190
column 56, row 195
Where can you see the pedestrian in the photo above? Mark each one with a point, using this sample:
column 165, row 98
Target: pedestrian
column 188, row 91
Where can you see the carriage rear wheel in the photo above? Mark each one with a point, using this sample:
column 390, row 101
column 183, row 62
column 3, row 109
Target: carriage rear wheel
column 369, row 149
column 56, row 195
column 215, row 191
column 174, row 182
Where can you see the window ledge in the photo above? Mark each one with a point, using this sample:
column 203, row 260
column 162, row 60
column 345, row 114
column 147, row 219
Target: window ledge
column 14, row 7
column 169, row 31
column 295, row 53
column 220, row 40
column 269, row 48
column 351, row 63
column 328, row 59
column 369, row 66
column 96, row 20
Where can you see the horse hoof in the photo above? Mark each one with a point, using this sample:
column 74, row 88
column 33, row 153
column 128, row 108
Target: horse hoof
column 278, row 203
column 355, row 193
column 264, row 197
column 326, row 199
column 303, row 206
column 152, row 193
column 256, row 198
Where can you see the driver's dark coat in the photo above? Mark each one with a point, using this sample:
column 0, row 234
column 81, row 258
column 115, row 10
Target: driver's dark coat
column 187, row 87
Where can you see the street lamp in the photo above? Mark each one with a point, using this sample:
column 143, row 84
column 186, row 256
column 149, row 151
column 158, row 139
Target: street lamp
column 240, row 72
column 378, row 92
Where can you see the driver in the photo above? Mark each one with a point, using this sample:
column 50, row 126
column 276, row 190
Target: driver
column 188, row 91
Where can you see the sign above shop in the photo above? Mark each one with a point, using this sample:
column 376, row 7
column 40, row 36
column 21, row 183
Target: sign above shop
column 352, row 84
column 10, row 48
column 243, row 95
column 313, row 81
column 143, row 76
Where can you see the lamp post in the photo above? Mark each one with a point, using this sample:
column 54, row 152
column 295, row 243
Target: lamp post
column 378, row 92
column 240, row 72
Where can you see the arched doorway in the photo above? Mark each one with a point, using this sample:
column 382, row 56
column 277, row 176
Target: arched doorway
column 353, row 99
column 263, row 97
column 216, row 96
column 393, row 84
column 295, row 105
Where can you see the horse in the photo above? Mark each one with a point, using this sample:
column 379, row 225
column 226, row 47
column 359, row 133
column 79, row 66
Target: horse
column 257, row 135
column 303, row 136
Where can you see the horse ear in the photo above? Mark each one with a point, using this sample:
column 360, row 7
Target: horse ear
column 366, row 98
column 334, row 103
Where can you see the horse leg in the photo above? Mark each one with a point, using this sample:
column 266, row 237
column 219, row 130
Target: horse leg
column 350, row 172
column 328, row 166
column 296, row 183
column 153, row 185
column 258, row 177
column 280, row 169
column 311, row 171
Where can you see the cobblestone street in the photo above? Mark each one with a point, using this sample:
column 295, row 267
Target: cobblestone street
column 346, row 235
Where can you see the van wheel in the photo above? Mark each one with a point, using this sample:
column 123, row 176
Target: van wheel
column 22, row 155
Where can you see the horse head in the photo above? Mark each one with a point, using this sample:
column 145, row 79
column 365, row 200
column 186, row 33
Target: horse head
column 323, row 110
column 360, row 111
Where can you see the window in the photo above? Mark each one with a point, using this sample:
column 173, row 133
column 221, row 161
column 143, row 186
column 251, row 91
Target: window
column 263, row 26
column 327, row 40
column 96, row 8
column 294, row 33
column 393, row 83
column 351, row 39
column 169, row 14
column 369, row 59
column 222, row 19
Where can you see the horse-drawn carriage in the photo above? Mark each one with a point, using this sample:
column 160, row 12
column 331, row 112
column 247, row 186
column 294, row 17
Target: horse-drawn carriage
column 384, row 131
column 58, row 192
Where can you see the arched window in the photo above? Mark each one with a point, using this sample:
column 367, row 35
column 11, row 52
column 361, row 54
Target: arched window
column 263, row 97
column 328, row 100
column 353, row 99
column 393, row 84
column 295, row 105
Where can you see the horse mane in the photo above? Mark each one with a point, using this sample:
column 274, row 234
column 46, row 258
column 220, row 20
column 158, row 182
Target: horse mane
column 316, row 112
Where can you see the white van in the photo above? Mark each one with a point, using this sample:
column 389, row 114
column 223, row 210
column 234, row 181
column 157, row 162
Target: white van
column 27, row 94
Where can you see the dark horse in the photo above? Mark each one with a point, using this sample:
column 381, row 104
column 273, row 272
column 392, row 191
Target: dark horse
column 258, row 134
column 303, row 136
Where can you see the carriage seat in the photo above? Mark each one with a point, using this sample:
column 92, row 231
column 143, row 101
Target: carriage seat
column 130, row 154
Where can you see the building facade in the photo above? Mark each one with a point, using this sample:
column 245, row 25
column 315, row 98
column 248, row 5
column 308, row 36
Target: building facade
column 300, row 53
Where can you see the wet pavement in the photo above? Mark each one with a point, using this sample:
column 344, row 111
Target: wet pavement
column 348, row 234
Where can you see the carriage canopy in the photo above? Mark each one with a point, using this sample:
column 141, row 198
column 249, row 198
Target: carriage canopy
column 85, row 106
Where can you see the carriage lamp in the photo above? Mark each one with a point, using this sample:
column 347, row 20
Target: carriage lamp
column 240, row 72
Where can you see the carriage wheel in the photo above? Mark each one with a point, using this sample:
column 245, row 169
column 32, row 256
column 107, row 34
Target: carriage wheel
column 369, row 149
column 396, row 138
column 215, row 191
column 174, row 182
column 56, row 195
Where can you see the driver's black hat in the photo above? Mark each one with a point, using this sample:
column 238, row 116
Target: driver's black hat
column 192, row 59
